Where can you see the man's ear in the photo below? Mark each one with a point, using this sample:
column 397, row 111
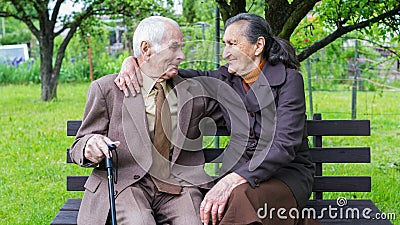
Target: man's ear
column 145, row 50
column 259, row 47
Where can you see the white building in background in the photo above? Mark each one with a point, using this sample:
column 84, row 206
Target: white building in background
column 9, row 53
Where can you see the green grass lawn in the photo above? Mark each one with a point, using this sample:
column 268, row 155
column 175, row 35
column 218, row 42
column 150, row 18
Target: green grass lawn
column 33, row 143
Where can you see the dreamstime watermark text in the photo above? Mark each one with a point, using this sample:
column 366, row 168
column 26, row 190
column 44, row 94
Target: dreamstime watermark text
column 339, row 211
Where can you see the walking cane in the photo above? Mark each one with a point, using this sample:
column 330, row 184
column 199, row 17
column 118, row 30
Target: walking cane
column 109, row 167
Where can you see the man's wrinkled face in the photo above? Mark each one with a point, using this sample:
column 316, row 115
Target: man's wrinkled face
column 239, row 52
column 165, row 62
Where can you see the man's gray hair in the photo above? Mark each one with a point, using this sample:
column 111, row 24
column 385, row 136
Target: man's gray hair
column 152, row 30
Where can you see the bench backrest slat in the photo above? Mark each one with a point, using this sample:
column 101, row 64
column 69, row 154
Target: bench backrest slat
column 338, row 128
column 314, row 128
column 76, row 183
column 341, row 155
column 73, row 127
column 319, row 155
column 342, row 184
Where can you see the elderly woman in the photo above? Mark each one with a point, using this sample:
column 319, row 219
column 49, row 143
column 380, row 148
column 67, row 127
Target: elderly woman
column 274, row 175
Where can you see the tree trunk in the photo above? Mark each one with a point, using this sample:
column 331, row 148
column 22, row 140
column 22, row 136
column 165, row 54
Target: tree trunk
column 276, row 13
column 235, row 7
column 48, row 78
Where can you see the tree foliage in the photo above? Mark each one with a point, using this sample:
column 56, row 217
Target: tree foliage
column 196, row 11
column 44, row 20
column 15, row 32
column 333, row 18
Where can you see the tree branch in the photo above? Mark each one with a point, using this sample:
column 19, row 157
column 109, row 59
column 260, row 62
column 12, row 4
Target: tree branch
column 60, row 31
column 38, row 5
column 252, row 3
column 56, row 10
column 25, row 18
column 73, row 27
column 389, row 49
column 343, row 30
column 7, row 14
column 235, row 7
column 276, row 14
column 298, row 10
column 89, row 11
column 224, row 9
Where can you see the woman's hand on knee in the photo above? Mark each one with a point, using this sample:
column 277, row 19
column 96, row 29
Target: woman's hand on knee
column 215, row 200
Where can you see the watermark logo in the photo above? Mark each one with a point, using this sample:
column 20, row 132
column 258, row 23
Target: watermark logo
column 341, row 201
column 342, row 210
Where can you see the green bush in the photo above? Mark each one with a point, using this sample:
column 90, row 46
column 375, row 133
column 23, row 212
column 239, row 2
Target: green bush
column 20, row 73
column 16, row 32
column 74, row 69
column 23, row 36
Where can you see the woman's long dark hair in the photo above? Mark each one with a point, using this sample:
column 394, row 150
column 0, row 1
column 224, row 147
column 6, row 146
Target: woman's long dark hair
column 276, row 49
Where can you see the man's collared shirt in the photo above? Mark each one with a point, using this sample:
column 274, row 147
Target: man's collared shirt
column 149, row 97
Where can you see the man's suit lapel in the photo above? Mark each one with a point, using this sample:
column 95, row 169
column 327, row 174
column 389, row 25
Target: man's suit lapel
column 136, row 130
column 184, row 112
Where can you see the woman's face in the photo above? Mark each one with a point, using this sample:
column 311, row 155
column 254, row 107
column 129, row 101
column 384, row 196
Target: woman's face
column 241, row 54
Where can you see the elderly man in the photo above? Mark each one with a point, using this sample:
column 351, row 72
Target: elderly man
column 155, row 141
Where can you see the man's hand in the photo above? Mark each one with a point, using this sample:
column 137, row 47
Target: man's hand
column 96, row 148
column 216, row 199
column 129, row 76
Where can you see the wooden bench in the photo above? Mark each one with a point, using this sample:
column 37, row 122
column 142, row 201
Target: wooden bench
column 317, row 129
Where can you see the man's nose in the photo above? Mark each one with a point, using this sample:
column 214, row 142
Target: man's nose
column 180, row 56
column 225, row 53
